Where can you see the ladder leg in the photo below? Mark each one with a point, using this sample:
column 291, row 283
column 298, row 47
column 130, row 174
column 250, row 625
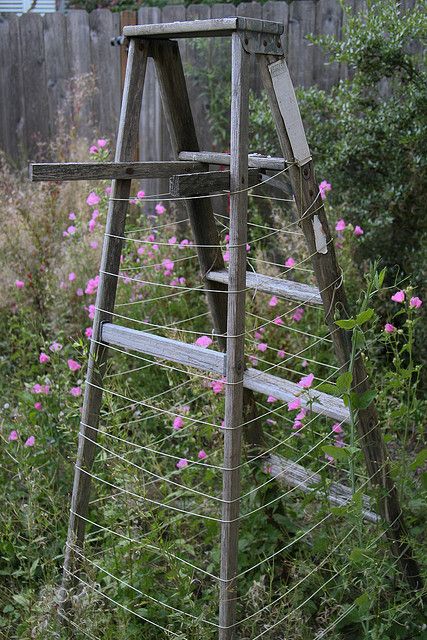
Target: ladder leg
column 334, row 298
column 235, row 339
column 110, row 262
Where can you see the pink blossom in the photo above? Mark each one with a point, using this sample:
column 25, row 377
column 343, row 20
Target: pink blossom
column 358, row 231
column 19, row 284
column 140, row 251
column 226, row 256
column 271, row 399
column 184, row 243
column 160, row 209
column 248, row 247
column 91, row 311
column 93, row 199
column 108, row 191
column 43, row 358
column 301, row 415
column 337, row 428
column 91, row 225
column 93, row 244
column 168, row 264
column 271, row 422
column 182, row 463
column 253, row 360
column 389, row 328
column 262, row 346
column 340, row 225
column 88, row 332
column 324, row 187
column 278, row 320
column 95, row 214
column 71, row 276
column 13, row 435
column 297, row 316
column 203, row 341
column 30, row 442
column 155, row 247
column 297, row 425
column 92, row 285
column 71, row 230
column 38, row 406
column 290, row 263
column 140, row 194
column 273, row 301
column 79, row 292
column 76, row 391
column 93, row 149
column 73, row 365
column 102, row 142
column 329, row 458
column 294, row 404
column 55, row 346
column 185, row 408
column 202, row 454
column 415, row 302
column 172, row 240
column 72, row 215
column 257, row 335
column 178, row 422
column 217, row 386
column 339, row 443
column 304, row 363
column 399, row 296
column 307, row 381
column 281, row 353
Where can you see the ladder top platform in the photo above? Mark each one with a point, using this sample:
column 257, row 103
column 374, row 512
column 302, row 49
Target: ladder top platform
column 203, row 28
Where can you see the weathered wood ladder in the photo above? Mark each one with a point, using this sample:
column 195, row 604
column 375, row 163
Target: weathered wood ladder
column 190, row 176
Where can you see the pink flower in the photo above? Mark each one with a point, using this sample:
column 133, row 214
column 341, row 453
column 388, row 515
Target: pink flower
column 271, row 399
column 40, row 388
column 358, row 231
column 262, row 346
column 172, row 240
column 93, row 244
column 389, row 328
column 91, row 225
column 72, row 216
column 168, row 264
column 102, row 142
column 294, row 404
column 19, row 284
column 281, row 353
column 203, row 341
column 160, row 209
column 92, row 285
column 76, row 391
column 71, row 230
column 182, row 463
column 93, row 199
column 88, row 332
column 95, row 214
column 73, row 365
column 399, row 296
column 340, row 225
column 290, row 262
column 226, row 256
column 273, row 301
column 415, row 302
column 71, row 276
column 30, row 442
column 297, row 425
column 337, row 428
column 217, row 386
column 253, row 360
column 178, row 423
column 307, row 381
column 55, row 346
column 301, row 415
column 43, row 358
column 329, row 458
column 91, row 311
column 184, row 243
column 13, row 435
column 140, row 194
column 324, row 187
column 79, row 292
column 278, row 320
column 202, row 454
column 108, row 191
column 38, row 406
column 93, row 149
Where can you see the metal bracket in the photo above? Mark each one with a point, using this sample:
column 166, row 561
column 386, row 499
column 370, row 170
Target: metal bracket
column 258, row 42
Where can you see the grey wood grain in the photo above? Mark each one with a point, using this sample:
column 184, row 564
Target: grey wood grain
column 204, row 183
column 78, row 53
column 276, row 286
column 300, row 52
column 211, row 157
column 278, row 11
column 328, row 21
column 12, row 110
column 203, row 28
column 57, row 69
column 39, row 172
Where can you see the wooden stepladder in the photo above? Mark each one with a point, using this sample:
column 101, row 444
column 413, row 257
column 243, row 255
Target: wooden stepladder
column 225, row 288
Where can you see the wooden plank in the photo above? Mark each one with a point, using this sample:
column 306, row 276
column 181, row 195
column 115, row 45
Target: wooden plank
column 12, row 114
column 202, row 28
column 199, row 184
column 210, row 157
column 284, row 390
column 37, row 129
column 110, row 264
column 251, row 10
column 328, row 20
column 189, row 355
column 335, row 303
column 278, row 11
column 127, row 18
column 276, row 286
column 57, row 70
column 292, row 474
column 300, row 52
column 78, row 55
column 105, row 64
column 39, row 172
column 235, row 364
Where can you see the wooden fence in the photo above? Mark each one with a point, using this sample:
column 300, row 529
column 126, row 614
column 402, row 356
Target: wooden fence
column 40, row 56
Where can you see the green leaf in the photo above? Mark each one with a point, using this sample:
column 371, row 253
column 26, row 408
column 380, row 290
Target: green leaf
column 363, row 602
column 420, row 458
column 344, row 382
column 381, row 277
column 358, row 339
column 325, row 387
column 346, row 324
column 362, row 400
column 364, row 316
column 339, row 453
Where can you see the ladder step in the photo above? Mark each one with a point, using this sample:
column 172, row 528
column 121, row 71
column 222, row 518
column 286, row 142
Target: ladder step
column 212, row 361
column 216, row 27
column 206, row 182
column 293, row 474
column 254, row 160
column 40, row 172
column 275, row 286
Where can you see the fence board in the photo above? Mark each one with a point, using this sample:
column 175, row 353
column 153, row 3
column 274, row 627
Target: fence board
column 78, row 51
column 329, row 18
column 252, row 10
column 278, row 11
column 57, row 69
column 12, row 103
column 300, row 54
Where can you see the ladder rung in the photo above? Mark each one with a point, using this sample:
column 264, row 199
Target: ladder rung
column 109, row 170
column 275, row 286
column 203, row 28
column 212, row 361
column 206, row 182
column 210, row 157
column 295, row 475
